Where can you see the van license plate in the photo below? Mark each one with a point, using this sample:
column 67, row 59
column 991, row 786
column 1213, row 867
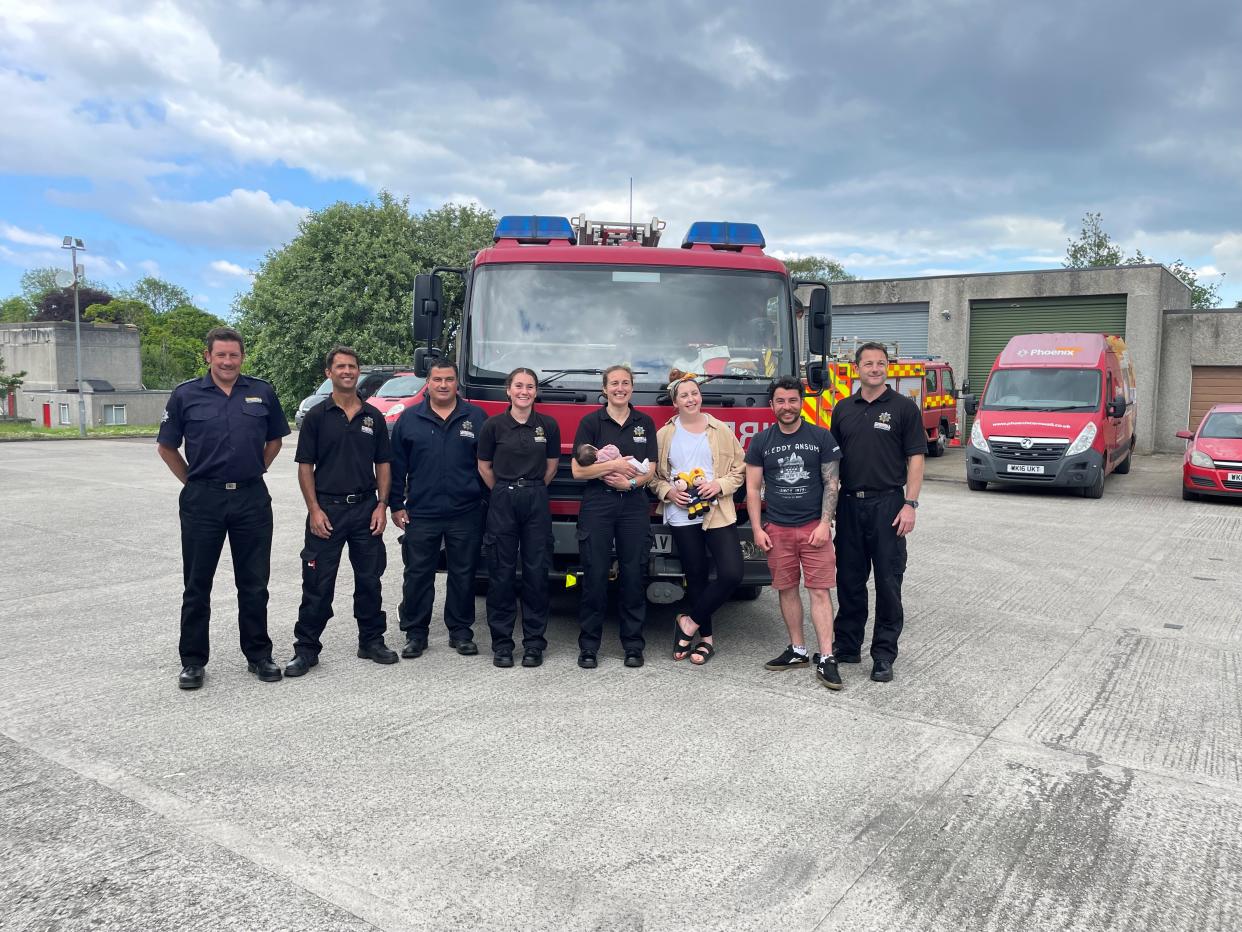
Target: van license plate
column 1234, row 477
column 662, row 543
column 1025, row 467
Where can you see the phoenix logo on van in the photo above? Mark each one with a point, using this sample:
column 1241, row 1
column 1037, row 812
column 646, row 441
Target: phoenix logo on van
column 1059, row 351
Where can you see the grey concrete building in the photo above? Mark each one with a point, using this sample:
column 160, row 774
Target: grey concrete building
column 111, row 371
column 968, row 319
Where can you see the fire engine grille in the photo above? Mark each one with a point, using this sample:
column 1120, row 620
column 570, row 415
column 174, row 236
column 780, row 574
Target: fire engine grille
column 1039, row 451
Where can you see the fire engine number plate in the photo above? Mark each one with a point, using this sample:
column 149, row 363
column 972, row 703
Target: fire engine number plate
column 1234, row 477
column 662, row 543
column 1025, row 467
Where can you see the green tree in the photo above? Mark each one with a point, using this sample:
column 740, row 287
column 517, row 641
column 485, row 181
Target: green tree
column 58, row 304
column 160, row 296
column 15, row 310
column 1094, row 248
column 818, row 269
column 119, row 311
column 348, row 277
column 172, row 345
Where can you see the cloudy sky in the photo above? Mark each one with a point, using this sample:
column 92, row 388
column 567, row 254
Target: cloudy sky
column 185, row 139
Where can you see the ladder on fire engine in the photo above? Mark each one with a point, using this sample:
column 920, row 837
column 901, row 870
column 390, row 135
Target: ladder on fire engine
column 613, row 233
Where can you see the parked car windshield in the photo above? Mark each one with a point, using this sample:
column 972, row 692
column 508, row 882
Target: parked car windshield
column 325, row 388
column 1223, row 425
column 400, row 386
column 1043, row 390
column 564, row 317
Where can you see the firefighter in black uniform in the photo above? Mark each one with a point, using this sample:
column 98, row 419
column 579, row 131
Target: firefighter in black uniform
column 518, row 453
column 615, row 510
column 232, row 426
column 343, row 463
column 883, row 446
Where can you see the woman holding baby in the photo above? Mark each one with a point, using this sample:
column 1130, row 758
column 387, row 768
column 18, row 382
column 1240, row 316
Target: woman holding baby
column 615, row 513
column 700, row 466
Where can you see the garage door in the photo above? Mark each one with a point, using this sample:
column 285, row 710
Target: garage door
column 900, row 325
column 1212, row 385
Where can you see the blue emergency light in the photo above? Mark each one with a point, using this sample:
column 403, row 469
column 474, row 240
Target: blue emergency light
column 533, row 229
column 722, row 233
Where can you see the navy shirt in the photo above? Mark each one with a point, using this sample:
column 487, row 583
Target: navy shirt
column 876, row 437
column 435, row 467
column 793, row 485
column 636, row 438
column 519, row 451
column 224, row 434
column 343, row 452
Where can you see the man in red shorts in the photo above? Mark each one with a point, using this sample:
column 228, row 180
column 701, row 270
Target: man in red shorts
column 794, row 467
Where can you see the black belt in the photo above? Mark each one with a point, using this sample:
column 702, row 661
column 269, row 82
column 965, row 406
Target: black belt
column 352, row 499
column 871, row 493
column 228, row 486
column 521, row 483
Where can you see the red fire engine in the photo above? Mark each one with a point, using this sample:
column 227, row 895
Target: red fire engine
column 570, row 299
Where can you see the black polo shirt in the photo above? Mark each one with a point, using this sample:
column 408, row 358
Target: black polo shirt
column 516, row 450
column 344, row 452
column 875, row 439
column 636, row 438
column 224, row 434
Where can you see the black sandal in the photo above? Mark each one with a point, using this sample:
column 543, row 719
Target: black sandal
column 704, row 650
column 681, row 640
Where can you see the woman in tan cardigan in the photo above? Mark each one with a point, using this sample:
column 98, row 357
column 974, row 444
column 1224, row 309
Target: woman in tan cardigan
column 696, row 440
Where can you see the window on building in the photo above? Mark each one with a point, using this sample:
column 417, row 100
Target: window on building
column 114, row 414
column 64, row 413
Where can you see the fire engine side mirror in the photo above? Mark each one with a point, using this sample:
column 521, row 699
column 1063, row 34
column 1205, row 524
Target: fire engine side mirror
column 422, row 360
column 427, row 314
column 815, row 377
column 964, row 390
column 819, row 322
column 972, row 404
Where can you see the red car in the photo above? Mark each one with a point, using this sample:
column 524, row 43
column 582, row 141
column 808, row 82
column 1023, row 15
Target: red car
column 403, row 390
column 1213, row 464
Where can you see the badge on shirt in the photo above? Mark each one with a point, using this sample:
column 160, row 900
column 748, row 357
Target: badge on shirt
column 164, row 416
column 882, row 423
column 254, row 400
column 640, row 434
column 467, row 430
column 368, row 425
column 540, row 436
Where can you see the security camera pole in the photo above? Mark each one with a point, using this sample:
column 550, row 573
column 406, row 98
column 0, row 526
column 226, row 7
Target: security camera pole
column 73, row 244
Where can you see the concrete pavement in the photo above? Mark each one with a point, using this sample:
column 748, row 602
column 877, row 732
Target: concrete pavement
column 1060, row 749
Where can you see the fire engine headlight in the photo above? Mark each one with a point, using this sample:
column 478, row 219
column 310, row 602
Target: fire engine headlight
column 1201, row 459
column 1083, row 442
column 976, row 438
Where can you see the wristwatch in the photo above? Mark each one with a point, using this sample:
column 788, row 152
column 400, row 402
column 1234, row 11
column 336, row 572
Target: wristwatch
column 912, row 502
column 633, row 485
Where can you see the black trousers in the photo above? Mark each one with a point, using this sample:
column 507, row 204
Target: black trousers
column 705, row 594
column 518, row 519
column 461, row 535
column 623, row 518
column 865, row 539
column 208, row 515
column 321, row 557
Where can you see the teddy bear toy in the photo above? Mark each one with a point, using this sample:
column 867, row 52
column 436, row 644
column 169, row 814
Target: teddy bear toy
column 688, row 482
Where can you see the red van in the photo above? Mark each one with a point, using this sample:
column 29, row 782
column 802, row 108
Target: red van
column 1057, row 410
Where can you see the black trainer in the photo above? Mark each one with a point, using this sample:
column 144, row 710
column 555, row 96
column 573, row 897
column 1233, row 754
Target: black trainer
column 826, row 671
column 789, row 660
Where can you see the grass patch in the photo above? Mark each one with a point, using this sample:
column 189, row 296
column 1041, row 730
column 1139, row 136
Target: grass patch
column 31, row 432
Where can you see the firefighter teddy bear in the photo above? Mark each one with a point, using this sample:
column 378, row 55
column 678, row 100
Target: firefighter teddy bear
column 689, row 482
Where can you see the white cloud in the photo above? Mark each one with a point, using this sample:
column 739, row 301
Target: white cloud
column 151, row 267
column 241, row 218
column 224, row 267
column 16, row 234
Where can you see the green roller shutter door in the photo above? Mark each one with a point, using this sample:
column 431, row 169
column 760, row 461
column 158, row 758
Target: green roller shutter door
column 992, row 323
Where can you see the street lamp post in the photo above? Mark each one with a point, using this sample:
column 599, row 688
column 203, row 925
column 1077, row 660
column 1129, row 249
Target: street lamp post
column 73, row 244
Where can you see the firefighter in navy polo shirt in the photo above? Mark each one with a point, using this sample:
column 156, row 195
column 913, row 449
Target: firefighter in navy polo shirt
column 519, row 449
column 615, row 510
column 232, row 427
column 883, row 446
column 437, row 499
column 343, row 470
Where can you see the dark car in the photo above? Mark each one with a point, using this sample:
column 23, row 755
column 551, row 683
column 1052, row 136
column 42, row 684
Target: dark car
column 368, row 384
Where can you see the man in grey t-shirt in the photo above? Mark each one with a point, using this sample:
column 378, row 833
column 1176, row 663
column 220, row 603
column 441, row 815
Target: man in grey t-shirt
column 794, row 466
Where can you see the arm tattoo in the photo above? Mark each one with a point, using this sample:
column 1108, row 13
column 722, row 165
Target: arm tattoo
column 829, row 472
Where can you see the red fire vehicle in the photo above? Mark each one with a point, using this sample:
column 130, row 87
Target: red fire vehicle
column 570, row 299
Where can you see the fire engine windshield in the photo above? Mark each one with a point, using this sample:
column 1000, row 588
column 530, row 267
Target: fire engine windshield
column 1043, row 390
column 558, row 317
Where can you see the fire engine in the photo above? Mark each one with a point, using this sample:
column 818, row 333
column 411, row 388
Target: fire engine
column 568, row 299
column 927, row 380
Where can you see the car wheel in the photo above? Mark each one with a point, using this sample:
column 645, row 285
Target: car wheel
column 1095, row 489
column 746, row 593
column 936, row 447
column 1124, row 466
column 976, row 485
column 1189, row 496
